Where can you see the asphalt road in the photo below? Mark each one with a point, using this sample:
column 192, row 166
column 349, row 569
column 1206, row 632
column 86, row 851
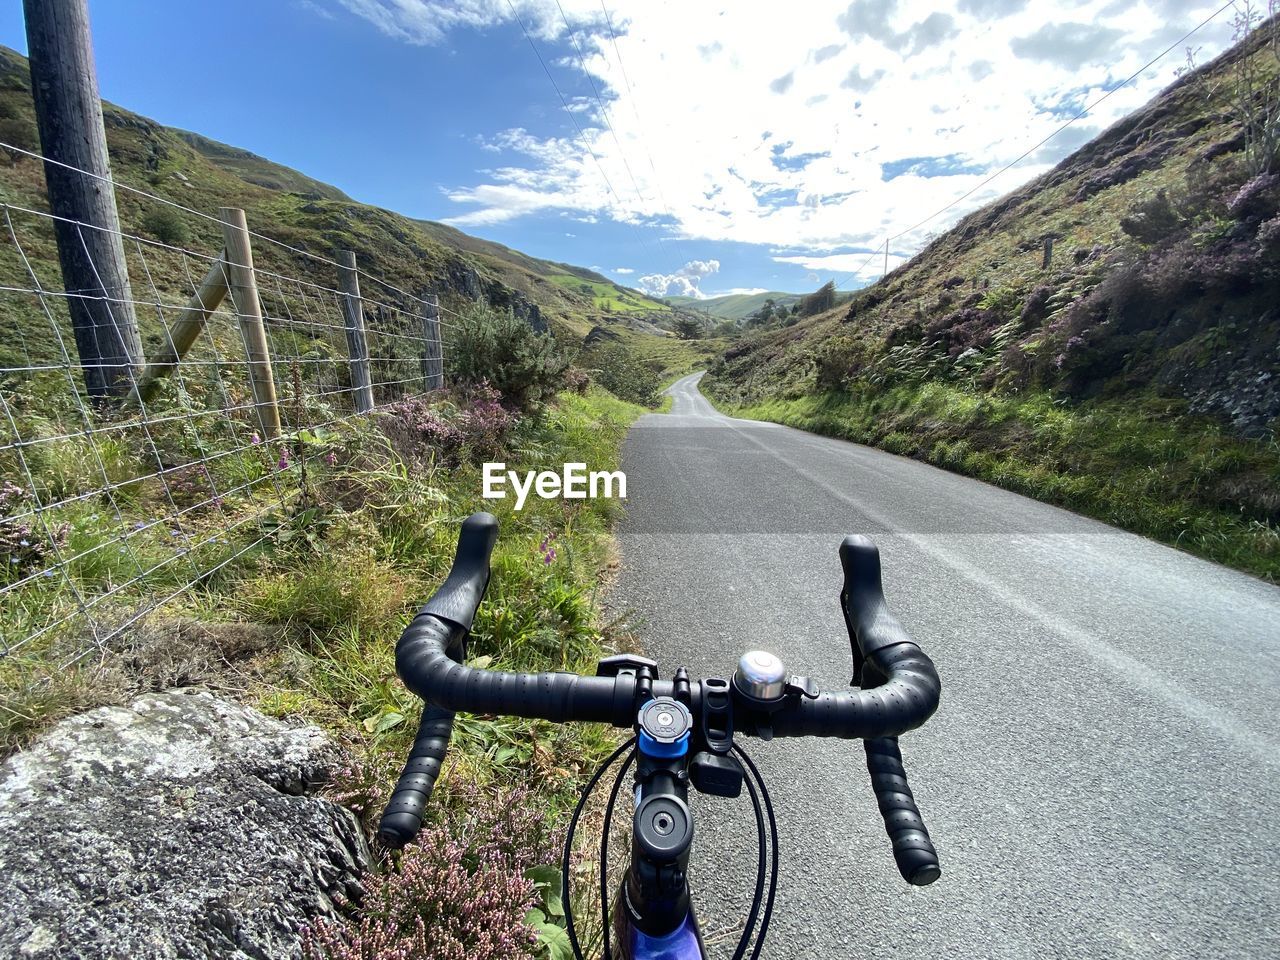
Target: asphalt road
column 1103, row 777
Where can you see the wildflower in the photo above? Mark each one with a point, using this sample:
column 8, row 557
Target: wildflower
column 331, row 459
column 284, row 459
column 255, row 439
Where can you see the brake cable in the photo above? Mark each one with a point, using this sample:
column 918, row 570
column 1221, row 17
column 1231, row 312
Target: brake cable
column 757, row 791
column 773, row 845
column 604, row 850
column 568, row 845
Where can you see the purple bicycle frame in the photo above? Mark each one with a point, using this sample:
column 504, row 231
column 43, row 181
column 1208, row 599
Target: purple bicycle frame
column 684, row 943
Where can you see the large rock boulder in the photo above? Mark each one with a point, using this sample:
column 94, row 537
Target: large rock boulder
column 179, row 826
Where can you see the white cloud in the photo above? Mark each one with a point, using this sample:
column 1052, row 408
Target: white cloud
column 623, row 270
column 865, row 264
column 786, row 130
column 310, row 6
column 683, row 283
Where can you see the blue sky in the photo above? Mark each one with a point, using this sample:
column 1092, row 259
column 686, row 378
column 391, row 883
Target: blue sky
column 706, row 148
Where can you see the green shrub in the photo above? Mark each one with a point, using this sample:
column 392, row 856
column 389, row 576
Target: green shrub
column 485, row 344
column 625, row 375
column 838, row 360
column 165, row 225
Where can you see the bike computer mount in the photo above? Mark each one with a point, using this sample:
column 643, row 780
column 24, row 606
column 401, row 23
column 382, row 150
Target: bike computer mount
column 760, row 685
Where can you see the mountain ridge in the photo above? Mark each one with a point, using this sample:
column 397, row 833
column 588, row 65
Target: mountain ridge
column 195, row 171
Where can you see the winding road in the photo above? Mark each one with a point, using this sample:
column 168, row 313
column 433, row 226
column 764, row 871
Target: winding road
column 1103, row 777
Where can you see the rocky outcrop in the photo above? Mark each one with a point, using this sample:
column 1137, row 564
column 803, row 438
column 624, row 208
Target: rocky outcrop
column 461, row 279
column 179, row 826
column 599, row 334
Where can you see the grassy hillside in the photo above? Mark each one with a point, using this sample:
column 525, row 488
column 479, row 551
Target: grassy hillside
column 255, row 169
column 1136, row 378
column 284, row 204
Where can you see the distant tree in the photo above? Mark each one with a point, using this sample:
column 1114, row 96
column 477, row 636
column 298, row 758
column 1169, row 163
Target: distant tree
column 688, row 327
column 822, row 299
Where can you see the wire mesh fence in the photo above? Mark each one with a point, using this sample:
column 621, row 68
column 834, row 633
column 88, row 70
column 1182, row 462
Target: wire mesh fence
column 113, row 507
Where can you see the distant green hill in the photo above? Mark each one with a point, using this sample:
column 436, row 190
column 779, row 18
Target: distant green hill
column 733, row 306
column 739, row 306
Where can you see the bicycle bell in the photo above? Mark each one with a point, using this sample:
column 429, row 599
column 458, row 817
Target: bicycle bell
column 760, row 676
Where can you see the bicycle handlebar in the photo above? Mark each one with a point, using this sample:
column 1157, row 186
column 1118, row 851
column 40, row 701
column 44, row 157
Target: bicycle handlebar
column 429, row 652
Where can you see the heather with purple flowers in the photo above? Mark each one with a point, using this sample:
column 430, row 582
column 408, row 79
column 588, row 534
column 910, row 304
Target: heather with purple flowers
column 460, row 892
column 443, row 427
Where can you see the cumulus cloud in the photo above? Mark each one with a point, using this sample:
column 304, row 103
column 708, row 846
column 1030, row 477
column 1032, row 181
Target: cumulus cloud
column 980, row 69
column 868, row 18
column 990, row 9
column 623, row 270
column 864, row 263
column 425, row 22
column 683, row 283
column 702, row 123
column 1069, row 45
column 873, row 19
column 823, row 54
column 856, row 81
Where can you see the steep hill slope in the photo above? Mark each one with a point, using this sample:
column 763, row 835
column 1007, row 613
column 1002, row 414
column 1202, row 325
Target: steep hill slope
column 1136, row 378
column 291, row 207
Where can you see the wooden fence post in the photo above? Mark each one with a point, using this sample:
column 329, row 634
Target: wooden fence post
column 433, row 352
column 357, row 346
column 64, row 85
column 184, row 329
column 1048, row 253
column 243, row 286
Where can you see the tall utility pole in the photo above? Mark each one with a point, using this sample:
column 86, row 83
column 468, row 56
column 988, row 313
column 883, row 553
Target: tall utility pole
column 64, row 84
column 886, row 257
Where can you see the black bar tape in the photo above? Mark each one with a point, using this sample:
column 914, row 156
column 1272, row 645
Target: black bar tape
column 402, row 818
column 460, row 594
column 912, row 849
column 907, row 698
column 425, row 666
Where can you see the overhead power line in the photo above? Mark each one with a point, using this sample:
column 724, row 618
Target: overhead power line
column 578, row 127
